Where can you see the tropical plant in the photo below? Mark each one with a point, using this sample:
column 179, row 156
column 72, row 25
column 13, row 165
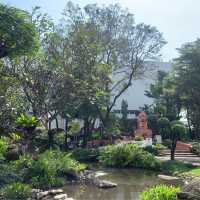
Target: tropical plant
column 16, row 191
column 26, row 121
column 128, row 155
column 159, row 192
column 4, row 142
column 86, row 154
column 50, row 167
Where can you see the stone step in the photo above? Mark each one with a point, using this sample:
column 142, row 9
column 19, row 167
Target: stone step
column 180, row 154
column 181, row 151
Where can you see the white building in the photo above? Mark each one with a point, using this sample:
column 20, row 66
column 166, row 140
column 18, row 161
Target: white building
column 135, row 94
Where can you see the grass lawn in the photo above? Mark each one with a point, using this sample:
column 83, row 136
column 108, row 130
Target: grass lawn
column 195, row 171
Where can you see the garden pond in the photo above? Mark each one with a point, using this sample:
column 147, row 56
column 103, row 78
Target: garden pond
column 130, row 183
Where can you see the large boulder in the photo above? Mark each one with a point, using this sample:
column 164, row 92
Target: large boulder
column 170, row 179
column 105, row 184
column 191, row 191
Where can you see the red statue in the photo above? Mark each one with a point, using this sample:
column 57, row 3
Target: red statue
column 142, row 128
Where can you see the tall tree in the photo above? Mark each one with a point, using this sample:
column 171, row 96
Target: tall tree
column 18, row 35
column 187, row 68
column 109, row 37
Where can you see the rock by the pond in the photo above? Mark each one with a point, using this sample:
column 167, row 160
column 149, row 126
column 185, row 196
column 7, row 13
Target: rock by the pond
column 90, row 177
column 105, row 184
column 53, row 194
column 60, row 197
column 191, row 191
column 170, row 179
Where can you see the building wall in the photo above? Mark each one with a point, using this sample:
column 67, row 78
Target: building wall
column 135, row 94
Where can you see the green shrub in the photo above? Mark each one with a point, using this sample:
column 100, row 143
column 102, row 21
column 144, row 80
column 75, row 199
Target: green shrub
column 155, row 149
column 160, row 192
column 167, row 143
column 23, row 167
column 151, row 149
column 16, row 191
column 48, row 170
column 86, row 154
column 128, row 155
column 8, row 174
column 139, row 138
column 176, row 167
column 196, row 148
column 26, row 121
column 4, row 142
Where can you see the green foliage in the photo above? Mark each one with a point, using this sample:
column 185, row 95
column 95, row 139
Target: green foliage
column 18, row 34
column 188, row 83
column 15, row 136
column 176, row 167
column 16, row 191
column 113, row 126
column 50, row 167
column 4, row 142
column 178, row 130
column 163, row 122
column 160, row 192
column 86, row 154
column 128, row 155
column 26, row 121
column 155, row 148
column 196, row 148
column 195, row 172
column 9, row 174
column 160, row 147
column 96, row 135
column 164, row 127
column 74, row 128
column 140, row 138
column 23, row 167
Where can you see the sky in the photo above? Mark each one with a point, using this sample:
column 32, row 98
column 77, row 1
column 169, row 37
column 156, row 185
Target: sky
column 178, row 20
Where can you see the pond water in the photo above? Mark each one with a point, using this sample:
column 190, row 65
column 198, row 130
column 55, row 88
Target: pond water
column 130, row 183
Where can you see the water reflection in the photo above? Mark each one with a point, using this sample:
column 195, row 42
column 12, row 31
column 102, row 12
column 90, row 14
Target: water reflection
column 130, row 183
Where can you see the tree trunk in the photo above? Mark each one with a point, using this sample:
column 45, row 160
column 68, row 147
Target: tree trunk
column 189, row 124
column 86, row 132
column 66, row 134
column 50, row 136
column 56, row 123
column 173, row 149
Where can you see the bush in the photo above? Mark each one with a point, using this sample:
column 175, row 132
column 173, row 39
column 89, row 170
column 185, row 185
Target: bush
column 4, row 141
column 160, row 192
column 86, row 154
column 50, row 167
column 16, row 191
column 8, row 174
column 155, row 149
column 176, row 167
column 128, row 155
column 196, row 148
column 167, row 143
column 23, row 167
column 26, row 121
